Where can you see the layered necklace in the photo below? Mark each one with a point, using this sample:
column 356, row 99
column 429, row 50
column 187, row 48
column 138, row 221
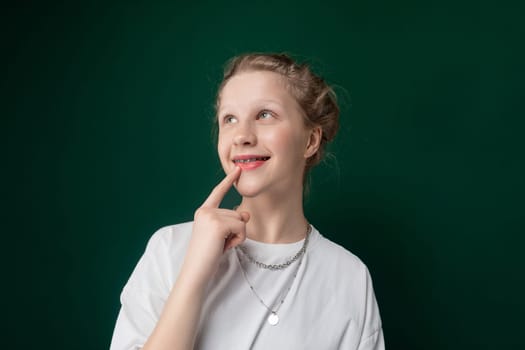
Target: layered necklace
column 273, row 318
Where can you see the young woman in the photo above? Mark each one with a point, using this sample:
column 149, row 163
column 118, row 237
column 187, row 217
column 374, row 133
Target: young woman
column 259, row 276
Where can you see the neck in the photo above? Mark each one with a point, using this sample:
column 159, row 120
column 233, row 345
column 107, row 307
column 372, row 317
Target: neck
column 275, row 220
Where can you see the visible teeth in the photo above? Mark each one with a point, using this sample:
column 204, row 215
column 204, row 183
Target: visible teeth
column 250, row 160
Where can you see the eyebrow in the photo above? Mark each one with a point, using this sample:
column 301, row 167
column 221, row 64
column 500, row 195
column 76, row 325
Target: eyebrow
column 258, row 101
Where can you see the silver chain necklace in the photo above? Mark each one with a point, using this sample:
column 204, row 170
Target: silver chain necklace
column 273, row 318
column 284, row 265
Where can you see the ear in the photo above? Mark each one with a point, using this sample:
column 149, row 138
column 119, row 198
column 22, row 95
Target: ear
column 314, row 140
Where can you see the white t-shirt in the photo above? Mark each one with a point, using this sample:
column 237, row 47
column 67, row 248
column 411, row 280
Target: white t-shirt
column 330, row 304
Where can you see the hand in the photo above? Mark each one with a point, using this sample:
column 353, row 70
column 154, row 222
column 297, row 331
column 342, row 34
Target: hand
column 215, row 230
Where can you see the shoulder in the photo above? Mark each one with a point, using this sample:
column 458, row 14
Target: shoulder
column 337, row 267
column 158, row 267
column 349, row 281
column 169, row 237
column 336, row 257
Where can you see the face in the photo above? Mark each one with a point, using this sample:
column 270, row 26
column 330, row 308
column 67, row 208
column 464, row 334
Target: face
column 261, row 130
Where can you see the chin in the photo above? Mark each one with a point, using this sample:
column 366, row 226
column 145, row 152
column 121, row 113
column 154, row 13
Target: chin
column 248, row 192
column 248, row 189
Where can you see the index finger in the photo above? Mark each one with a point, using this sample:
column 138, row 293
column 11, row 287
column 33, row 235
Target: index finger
column 218, row 193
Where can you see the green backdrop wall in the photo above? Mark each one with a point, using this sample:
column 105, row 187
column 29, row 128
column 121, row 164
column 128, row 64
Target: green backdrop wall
column 106, row 112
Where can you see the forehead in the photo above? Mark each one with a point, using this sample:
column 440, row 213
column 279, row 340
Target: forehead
column 251, row 87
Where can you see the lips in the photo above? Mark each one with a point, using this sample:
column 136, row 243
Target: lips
column 249, row 162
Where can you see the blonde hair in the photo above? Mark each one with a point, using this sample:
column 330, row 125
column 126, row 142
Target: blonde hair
column 313, row 94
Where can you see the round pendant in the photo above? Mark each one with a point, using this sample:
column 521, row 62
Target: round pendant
column 273, row 319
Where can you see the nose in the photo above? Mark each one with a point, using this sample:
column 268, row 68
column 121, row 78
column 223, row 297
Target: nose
column 244, row 135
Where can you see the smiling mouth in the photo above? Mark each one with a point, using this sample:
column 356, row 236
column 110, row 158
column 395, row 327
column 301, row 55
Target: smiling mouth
column 250, row 160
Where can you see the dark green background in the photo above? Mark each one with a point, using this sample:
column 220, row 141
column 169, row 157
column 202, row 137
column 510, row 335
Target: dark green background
column 106, row 112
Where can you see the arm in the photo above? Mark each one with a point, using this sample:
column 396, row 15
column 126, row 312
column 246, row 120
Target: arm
column 214, row 231
column 178, row 323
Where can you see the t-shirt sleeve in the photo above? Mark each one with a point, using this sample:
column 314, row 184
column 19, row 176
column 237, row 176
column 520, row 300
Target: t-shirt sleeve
column 368, row 333
column 372, row 334
column 374, row 341
column 137, row 317
column 144, row 295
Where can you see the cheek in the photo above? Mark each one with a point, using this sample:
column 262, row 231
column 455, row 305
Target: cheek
column 222, row 149
column 286, row 141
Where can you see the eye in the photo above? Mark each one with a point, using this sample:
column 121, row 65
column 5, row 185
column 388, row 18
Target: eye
column 229, row 119
column 265, row 114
